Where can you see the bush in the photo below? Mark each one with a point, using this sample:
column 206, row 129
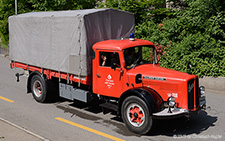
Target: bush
column 196, row 36
column 142, row 9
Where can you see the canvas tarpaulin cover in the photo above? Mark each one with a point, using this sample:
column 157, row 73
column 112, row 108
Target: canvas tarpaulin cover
column 63, row 40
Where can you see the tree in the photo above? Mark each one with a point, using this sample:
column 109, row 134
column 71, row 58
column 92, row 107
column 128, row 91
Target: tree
column 196, row 36
column 142, row 9
column 7, row 8
column 50, row 5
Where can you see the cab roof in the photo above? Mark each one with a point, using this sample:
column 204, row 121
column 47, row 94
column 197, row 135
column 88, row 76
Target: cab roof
column 121, row 44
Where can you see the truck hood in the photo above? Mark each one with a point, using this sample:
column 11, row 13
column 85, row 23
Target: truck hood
column 150, row 71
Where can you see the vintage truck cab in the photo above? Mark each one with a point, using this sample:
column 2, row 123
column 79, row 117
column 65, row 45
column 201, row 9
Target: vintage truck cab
column 128, row 71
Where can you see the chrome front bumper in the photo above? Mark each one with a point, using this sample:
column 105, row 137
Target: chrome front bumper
column 178, row 112
column 175, row 113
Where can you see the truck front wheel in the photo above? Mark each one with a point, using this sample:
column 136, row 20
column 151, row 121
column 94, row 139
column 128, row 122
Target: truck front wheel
column 39, row 88
column 136, row 115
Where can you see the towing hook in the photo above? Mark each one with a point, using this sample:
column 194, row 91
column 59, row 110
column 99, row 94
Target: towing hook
column 18, row 76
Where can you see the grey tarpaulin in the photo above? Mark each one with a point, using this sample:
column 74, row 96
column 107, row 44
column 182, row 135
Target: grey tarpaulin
column 62, row 40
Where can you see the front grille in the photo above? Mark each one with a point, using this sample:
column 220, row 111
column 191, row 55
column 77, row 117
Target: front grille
column 193, row 93
column 197, row 91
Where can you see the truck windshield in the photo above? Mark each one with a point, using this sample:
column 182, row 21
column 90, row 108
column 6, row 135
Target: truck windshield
column 139, row 55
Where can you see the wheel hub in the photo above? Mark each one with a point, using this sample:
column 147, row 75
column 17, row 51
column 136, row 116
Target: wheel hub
column 37, row 87
column 136, row 115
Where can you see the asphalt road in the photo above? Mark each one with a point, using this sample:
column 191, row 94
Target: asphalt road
column 66, row 120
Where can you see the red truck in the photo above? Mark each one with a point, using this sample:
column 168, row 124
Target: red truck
column 90, row 56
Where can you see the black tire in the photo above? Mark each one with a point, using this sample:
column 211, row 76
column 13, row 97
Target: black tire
column 39, row 88
column 136, row 115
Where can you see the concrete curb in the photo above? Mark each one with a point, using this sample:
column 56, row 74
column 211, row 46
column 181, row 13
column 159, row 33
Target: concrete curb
column 212, row 83
column 4, row 55
column 24, row 130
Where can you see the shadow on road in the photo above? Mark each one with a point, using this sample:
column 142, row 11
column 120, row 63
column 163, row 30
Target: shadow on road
column 183, row 126
column 171, row 127
column 176, row 127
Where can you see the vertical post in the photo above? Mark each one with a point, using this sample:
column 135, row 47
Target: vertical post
column 16, row 7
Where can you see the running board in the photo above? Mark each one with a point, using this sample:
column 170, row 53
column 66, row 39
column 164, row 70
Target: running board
column 107, row 107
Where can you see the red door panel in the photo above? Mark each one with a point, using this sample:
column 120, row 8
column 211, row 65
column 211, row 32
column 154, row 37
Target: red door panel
column 106, row 81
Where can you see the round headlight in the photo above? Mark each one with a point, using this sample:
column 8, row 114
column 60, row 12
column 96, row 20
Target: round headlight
column 171, row 101
column 202, row 90
column 171, row 104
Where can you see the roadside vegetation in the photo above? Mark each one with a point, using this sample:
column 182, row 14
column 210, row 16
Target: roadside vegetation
column 190, row 32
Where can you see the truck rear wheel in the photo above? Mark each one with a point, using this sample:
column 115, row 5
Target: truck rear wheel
column 39, row 88
column 136, row 115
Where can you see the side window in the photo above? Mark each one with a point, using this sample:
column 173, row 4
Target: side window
column 107, row 59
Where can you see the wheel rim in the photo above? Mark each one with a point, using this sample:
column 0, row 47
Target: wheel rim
column 135, row 115
column 37, row 88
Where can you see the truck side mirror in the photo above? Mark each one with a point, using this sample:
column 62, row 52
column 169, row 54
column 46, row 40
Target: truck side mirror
column 138, row 78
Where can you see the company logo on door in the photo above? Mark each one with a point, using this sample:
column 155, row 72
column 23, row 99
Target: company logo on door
column 109, row 82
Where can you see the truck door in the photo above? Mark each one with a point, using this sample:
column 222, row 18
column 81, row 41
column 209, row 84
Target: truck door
column 107, row 80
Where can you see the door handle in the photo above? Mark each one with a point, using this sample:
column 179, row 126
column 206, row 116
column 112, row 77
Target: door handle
column 98, row 75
